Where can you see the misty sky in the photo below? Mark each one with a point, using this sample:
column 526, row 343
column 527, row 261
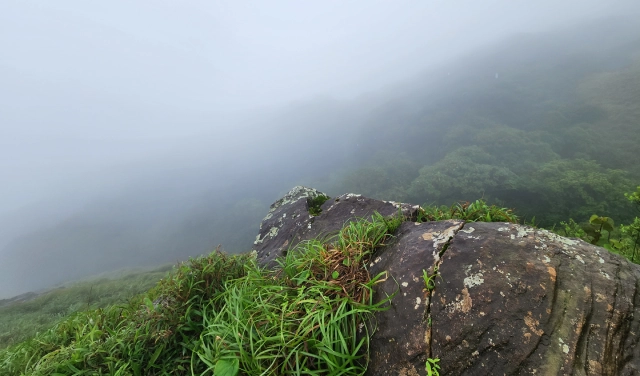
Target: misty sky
column 109, row 100
column 137, row 115
column 90, row 88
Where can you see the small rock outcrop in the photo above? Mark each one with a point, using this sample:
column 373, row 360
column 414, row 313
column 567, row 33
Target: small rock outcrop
column 508, row 299
column 289, row 222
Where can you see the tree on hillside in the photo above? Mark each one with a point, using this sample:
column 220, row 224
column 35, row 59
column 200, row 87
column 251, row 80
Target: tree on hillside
column 578, row 188
column 464, row 174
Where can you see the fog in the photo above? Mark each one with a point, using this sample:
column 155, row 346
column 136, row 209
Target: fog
column 137, row 133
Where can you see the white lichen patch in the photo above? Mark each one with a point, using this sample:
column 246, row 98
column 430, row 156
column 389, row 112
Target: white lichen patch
column 441, row 238
column 468, row 231
column 600, row 260
column 418, row 302
column 546, row 259
column 579, row 259
column 271, row 234
column 563, row 346
column 564, row 243
column 405, row 284
column 605, row 275
column 474, row 280
column 523, row 232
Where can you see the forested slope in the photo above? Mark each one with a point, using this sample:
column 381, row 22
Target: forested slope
column 544, row 125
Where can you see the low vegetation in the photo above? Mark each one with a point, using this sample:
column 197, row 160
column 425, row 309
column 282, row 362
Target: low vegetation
column 224, row 315
column 601, row 230
column 477, row 211
column 20, row 320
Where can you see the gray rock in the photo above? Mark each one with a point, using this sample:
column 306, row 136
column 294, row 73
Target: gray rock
column 518, row 300
column 509, row 299
column 289, row 222
column 400, row 343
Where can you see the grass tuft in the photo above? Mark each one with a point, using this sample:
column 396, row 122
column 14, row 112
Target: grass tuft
column 477, row 211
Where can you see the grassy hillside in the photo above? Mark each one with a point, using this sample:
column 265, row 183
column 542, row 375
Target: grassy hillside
column 36, row 313
column 224, row 315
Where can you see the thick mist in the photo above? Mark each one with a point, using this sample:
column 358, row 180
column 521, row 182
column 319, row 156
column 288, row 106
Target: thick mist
column 139, row 134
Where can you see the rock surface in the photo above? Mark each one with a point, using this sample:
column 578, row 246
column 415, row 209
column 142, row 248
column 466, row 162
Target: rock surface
column 289, row 222
column 509, row 299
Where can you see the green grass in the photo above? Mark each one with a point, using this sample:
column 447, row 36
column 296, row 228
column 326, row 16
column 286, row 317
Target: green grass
column 22, row 320
column 225, row 313
column 477, row 211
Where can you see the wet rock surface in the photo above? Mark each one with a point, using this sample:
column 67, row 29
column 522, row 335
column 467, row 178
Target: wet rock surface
column 508, row 299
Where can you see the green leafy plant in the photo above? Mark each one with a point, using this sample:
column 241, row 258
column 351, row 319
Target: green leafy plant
column 430, row 280
column 597, row 224
column 572, row 229
column 634, row 197
column 226, row 367
column 432, row 367
column 624, row 240
column 632, row 231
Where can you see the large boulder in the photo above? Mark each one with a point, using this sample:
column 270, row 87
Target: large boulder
column 508, row 299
